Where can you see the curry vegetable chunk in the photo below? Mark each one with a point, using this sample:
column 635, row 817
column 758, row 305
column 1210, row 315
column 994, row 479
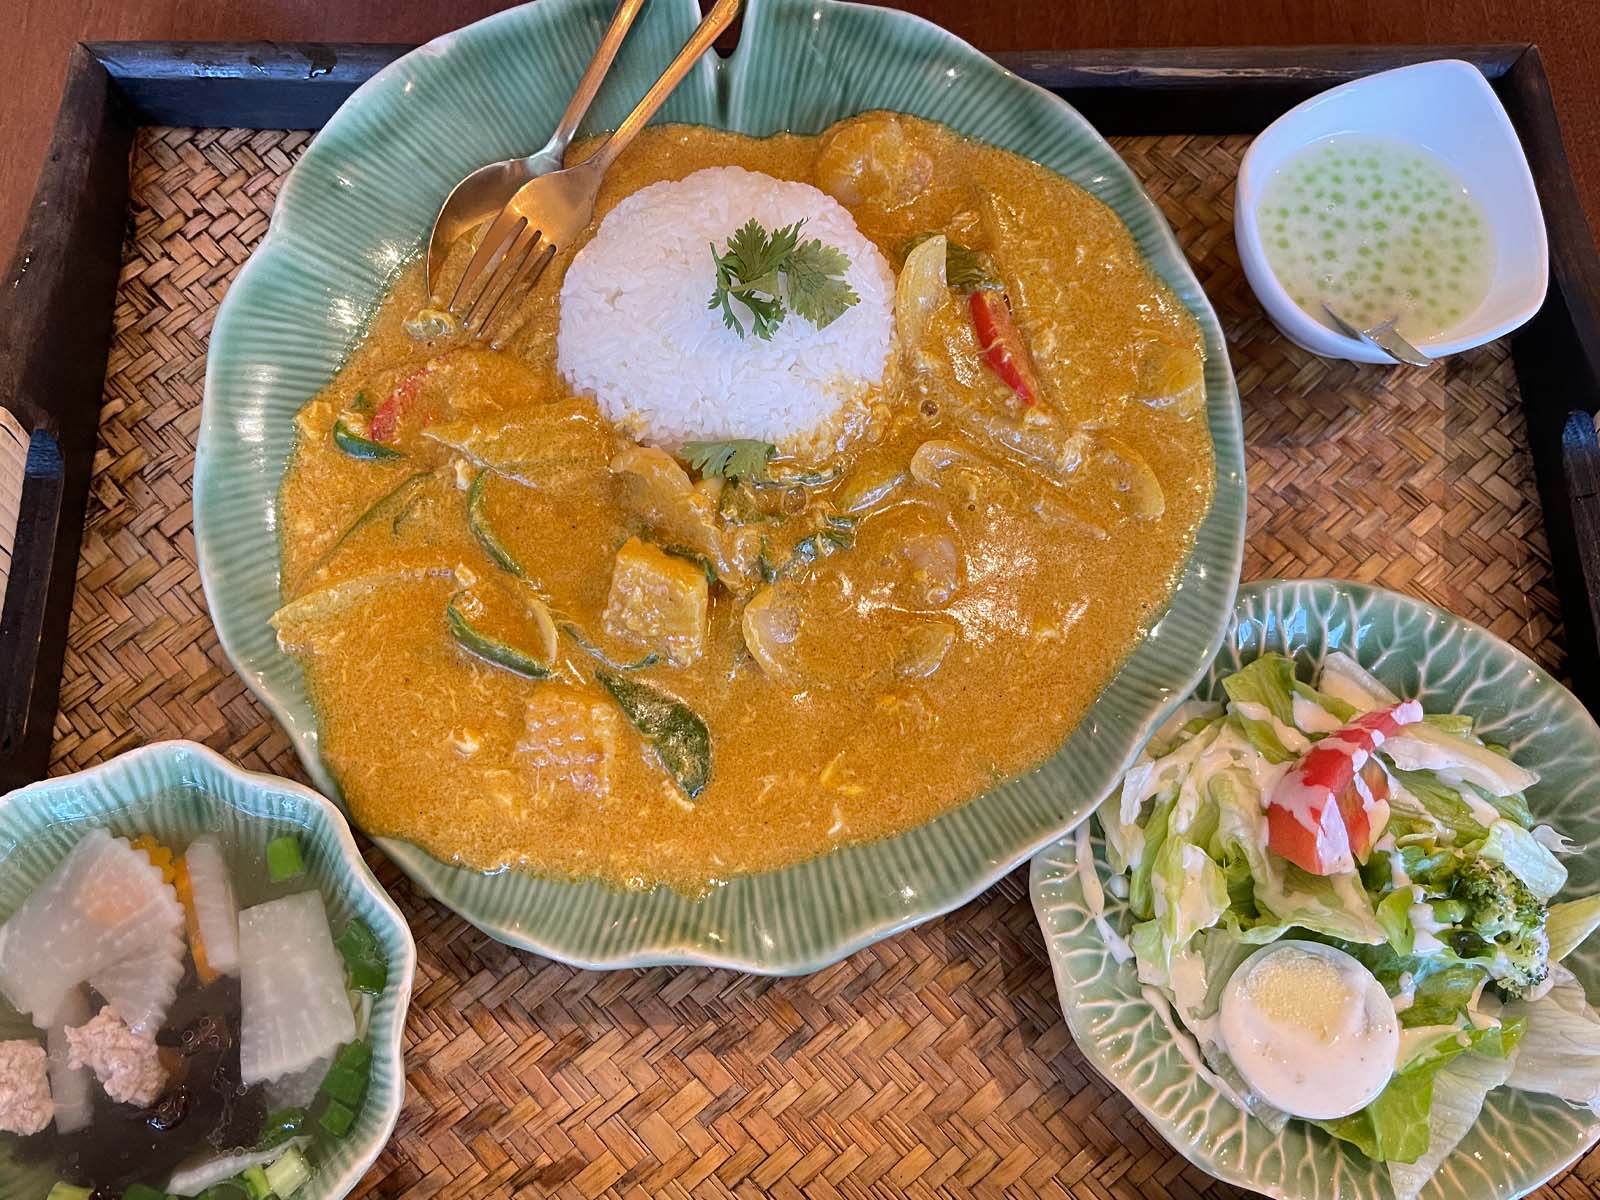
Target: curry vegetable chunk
column 533, row 641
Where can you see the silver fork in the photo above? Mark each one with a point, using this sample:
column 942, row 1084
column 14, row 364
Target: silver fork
column 549, row 212
column 482, row 194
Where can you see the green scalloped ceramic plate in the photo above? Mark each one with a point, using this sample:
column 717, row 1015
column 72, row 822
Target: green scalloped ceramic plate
column 176, row 791
column 357, row 206
column 1452, row 665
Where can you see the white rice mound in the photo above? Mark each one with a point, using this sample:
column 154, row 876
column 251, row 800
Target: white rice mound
column 637, row 334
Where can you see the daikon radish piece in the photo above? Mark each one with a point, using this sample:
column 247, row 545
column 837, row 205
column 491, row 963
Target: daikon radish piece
column 104, row 905
column 295, row 1009
column 213, row 915
column 142, row 987
column 72, row 1088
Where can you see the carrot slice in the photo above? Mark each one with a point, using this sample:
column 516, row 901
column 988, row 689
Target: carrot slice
column 197, row 945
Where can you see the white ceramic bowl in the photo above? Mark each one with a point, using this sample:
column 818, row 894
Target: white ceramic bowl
column 1448, row 108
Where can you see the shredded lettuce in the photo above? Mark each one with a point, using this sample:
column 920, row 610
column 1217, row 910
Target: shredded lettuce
column 1441, row 803
column 1394, row 914
column 1560, row 1053
column 1347, row 680
column 1569, row 924
column 1424, row 747
column 1189, row 894
column 1140, row 896
column 1338, row 709
column 1457, row 724
column 1458, row 1094
column 1395, row 1128
column 1525, row 857
column 1269, row 682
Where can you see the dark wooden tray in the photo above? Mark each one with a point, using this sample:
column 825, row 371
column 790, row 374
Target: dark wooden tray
column 57, row 307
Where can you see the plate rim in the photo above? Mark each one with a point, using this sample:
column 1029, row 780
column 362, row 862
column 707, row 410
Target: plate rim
column 677, row 949
column 1258, row 591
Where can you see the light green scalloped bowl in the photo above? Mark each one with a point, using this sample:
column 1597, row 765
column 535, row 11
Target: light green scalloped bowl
column 1451, row 665
column 176, row 791
column 358, row 205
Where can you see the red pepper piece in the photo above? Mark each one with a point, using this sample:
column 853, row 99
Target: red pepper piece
column 385, row 424
column 1002, row 345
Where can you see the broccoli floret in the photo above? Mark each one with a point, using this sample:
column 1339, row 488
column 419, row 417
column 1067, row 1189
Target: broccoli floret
column 1503, row 926
column 1521, row 961
column 1497, row 901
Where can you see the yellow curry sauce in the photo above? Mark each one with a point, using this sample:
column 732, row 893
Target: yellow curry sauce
column 930, row 612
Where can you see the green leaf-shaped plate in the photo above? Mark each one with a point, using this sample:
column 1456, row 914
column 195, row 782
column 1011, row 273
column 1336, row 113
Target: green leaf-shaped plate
column 1451, row 665
column 358, row 205
column 176, row 791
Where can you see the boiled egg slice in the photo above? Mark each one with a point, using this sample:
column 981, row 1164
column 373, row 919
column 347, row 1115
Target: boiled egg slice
column 1310, row 1029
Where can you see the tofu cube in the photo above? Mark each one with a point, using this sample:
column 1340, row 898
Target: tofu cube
column 658, row 601
column 570, row 741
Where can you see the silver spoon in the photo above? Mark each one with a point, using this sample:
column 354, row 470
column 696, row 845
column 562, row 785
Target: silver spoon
column 1384, row 336
column 482, row 194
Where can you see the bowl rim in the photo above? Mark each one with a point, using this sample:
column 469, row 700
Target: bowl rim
column 355, row 872
column 1304, row 329
column 678, row 949
column 1258, row 593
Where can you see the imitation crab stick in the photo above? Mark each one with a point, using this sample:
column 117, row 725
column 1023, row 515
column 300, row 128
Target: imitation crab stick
column 1325, row 813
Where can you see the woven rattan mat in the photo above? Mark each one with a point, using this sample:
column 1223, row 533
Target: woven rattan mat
column 933, row 1064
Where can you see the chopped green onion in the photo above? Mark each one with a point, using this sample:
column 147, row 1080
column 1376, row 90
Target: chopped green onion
column 283, row 859
column 255, row 1181
column 354, row 1055
column 363, row 956
column 68, row 1191
column 279, row 1127
column 345, row 1084
column 288, row 1174
column 336, row 1118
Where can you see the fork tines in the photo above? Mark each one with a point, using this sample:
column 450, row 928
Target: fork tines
column 508, row 261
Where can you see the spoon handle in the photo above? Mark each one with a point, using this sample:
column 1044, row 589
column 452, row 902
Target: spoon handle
column 718, row 19
column 594, row 75
column 1388, row 339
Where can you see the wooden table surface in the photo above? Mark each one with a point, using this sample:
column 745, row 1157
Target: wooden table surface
column 41, row 32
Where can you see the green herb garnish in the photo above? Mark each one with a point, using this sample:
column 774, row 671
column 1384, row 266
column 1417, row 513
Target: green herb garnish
column 678, row 736
column 740, row 458
column 813, row 279
column 965, row 269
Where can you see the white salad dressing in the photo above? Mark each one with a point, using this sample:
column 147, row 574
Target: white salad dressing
column 1094, row 898
column 1293, row 740
column 1483, row 812
column 1310, row 1029
column 1312, row 717
column 1422, row 921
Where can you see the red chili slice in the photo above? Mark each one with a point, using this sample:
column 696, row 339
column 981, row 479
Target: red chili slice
column 385, row 424
column 1002, row 344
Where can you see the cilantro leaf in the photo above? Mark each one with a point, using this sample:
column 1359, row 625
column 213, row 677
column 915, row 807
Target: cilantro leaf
column 817, row 287
column 739, row 458
column 759, row 269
